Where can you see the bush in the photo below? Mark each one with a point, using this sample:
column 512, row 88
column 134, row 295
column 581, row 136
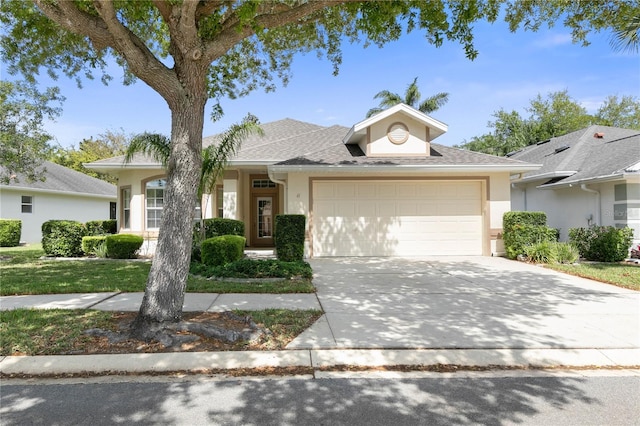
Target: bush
column 62, row 238
column 215, row 227
column 519, row 236
column 551, row 252
column 10, row 232
column 101, row 227
column 218, row 227
column 602, row 243
column 566, row 253
column 219, row 251
column 90, row 243
column 255, row 268
column 509, row 219
column 289, row 237
column 122, row 246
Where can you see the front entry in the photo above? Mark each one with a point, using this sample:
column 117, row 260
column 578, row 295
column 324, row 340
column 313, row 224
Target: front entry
column 264, row 206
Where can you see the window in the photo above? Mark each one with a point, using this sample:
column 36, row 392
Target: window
column 155, row 202
column 219, row 201
column 112, row 211
column 126, row 208
column 27, row 204
column 262, row 183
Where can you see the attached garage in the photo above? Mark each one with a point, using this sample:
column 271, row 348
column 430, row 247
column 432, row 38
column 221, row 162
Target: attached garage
column 396, row 217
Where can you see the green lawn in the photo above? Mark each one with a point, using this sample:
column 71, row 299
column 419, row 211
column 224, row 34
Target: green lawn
column 627, row 276
column 23, row 272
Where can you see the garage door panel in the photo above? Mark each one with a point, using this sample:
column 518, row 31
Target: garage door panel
column 396, row 218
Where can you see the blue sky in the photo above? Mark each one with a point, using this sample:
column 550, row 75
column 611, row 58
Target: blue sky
column 511, row 69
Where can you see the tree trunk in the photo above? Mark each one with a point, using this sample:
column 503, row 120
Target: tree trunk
column 167, row 281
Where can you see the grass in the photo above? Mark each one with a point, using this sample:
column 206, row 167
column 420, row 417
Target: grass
column 47, row 331
column 23, row 272
column 627, row 276
column 59, row 331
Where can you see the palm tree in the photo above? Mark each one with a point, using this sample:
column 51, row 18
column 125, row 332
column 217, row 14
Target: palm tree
column 215, row 157
column 628, row 37
column 411, row 98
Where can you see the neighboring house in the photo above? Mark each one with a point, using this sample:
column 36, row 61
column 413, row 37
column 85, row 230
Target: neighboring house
column 64, row 194
column 588, row 177
column 379, row 188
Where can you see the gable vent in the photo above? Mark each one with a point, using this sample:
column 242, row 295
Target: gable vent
column 561, row 148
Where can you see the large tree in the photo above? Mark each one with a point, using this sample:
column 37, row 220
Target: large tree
column 191, row 51
column 109, row 144
column 412, row 97
column 24, row 143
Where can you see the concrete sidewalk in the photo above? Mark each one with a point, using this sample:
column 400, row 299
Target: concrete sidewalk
column 469, row 312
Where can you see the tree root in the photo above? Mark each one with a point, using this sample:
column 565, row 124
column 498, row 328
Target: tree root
column 230, row 329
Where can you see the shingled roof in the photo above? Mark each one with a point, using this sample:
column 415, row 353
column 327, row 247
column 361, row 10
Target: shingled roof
column 296, row 143
column 594, row 153
column 61, row 179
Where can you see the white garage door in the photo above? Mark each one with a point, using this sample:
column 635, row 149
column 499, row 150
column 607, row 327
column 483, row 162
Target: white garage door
column 396, row 218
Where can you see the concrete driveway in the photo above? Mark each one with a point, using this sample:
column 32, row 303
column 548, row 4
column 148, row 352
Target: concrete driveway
column 466, row 303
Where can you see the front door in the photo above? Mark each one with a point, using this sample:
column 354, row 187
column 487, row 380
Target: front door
column 264, row 208
column 263, row 215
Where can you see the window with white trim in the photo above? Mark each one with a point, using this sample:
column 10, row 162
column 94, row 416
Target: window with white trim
column 154, row 192
column 126, row 208
column 26, row 204
column 219, row 201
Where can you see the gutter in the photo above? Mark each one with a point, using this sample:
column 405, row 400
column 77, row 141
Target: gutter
column 585, row 188
column 58, row 192
column 376, row 168
column 284, row 184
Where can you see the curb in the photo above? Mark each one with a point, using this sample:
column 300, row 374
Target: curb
column 319, row 359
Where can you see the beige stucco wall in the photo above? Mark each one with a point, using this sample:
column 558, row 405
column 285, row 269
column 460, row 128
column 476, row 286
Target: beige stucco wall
column 380, row 144
column 50, row 206
column 498, row 202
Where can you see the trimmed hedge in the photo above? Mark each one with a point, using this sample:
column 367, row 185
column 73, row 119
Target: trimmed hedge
column 218, row 227
column 62, row 238
column 521, row 229
column 289, row 237
column 101, row 227
column 602, row 243
column 255, row 268
column 10, row 232
column 221, row 250
column 91, row 242
column 123, row 246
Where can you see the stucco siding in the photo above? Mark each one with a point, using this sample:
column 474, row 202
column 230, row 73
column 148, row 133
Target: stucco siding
column 50, row 206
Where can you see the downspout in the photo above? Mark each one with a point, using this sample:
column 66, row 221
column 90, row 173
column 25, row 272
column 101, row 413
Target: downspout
column 284, row 185
column 593, row 191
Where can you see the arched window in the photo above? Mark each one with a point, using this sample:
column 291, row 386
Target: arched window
column 155, row 202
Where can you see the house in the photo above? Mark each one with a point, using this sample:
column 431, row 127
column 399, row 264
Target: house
column 64, row 194
column 379, row 188
column 588, row 177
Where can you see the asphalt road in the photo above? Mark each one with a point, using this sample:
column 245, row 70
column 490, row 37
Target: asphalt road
column 489, row 398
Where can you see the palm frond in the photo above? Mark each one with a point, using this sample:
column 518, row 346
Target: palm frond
column 153, row 144
column 433, row 103
column 628, row 37
column 412, row 95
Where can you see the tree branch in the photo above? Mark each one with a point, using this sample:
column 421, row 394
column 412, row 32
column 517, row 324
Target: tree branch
column 271, row 16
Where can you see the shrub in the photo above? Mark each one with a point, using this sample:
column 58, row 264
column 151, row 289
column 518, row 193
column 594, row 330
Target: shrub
column 62, row 238
column 521, row 218
column 10, row 231
column 551, row 252
column 255, row 268
column 519, row 236
column 122, row 246
column 542, row 252
column 101, row 227
column 289, row 237
column 218, row 251
column 566, row 253
column 602, row 243
column 91, row 242
column 218, row 227
column 215, row 227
